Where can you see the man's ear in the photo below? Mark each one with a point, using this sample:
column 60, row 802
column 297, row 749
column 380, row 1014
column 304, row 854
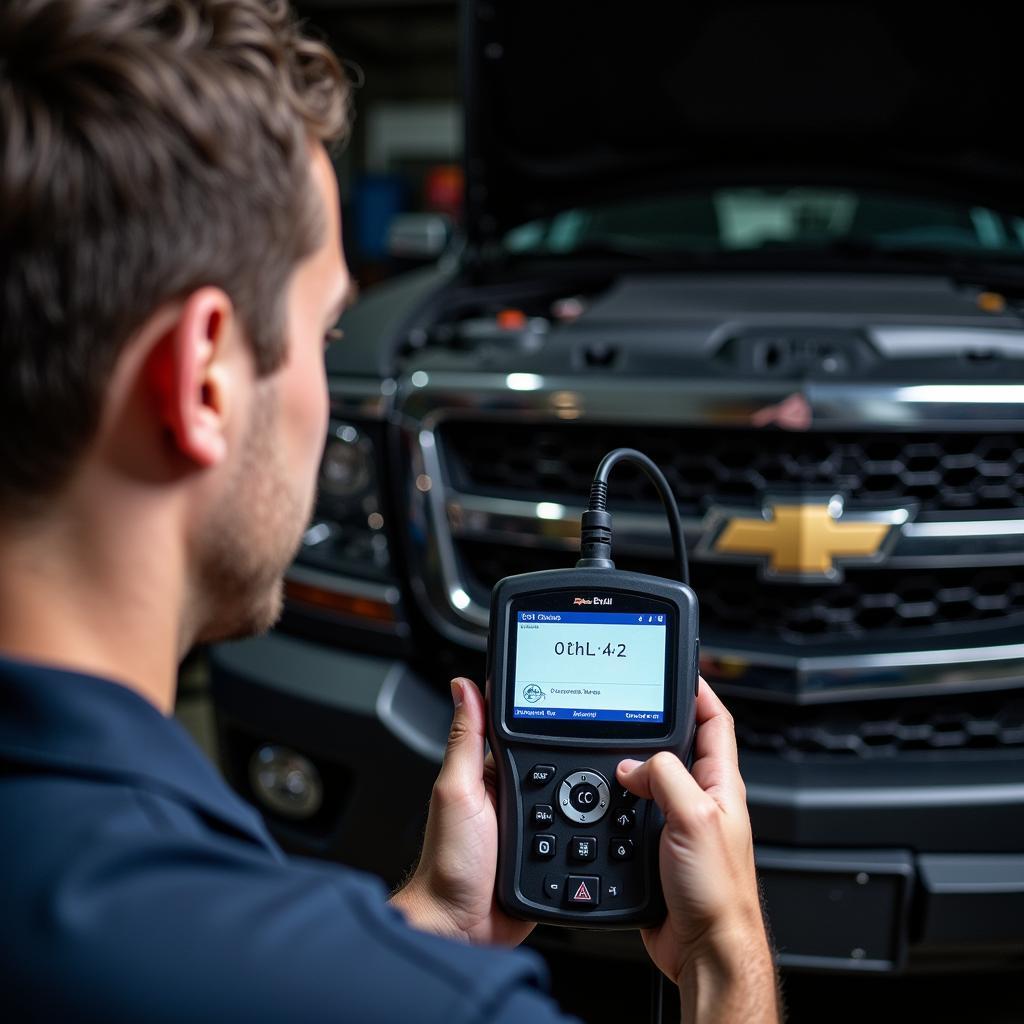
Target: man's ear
column 189, row 374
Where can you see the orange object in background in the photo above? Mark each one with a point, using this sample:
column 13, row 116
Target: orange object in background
column 346, row 604
column 511, row 319
column 991, row 302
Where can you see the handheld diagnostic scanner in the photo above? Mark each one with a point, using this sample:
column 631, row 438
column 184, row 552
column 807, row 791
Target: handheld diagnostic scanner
column 587, row 666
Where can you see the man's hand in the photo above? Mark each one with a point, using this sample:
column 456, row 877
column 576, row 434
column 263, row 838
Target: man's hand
column 451, row 891
column 712, row 943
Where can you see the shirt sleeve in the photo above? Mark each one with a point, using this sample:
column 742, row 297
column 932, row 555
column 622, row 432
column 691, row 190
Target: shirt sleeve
column 167, row 928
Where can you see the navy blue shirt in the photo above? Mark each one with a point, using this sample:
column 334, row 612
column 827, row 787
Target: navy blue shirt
column 138, row 887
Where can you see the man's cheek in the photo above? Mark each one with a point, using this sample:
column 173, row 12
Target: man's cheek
column 310, row 411
column 320, row 404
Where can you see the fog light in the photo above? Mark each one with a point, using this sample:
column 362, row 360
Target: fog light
column 286, row 782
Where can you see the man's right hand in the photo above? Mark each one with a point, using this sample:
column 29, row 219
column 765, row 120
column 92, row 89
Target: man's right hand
column 712, row 942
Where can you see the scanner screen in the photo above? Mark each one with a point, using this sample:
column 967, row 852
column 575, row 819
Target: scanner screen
column 590, row 666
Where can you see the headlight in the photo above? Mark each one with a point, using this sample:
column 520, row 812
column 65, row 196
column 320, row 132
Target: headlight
column 347, row 533
column 347, row 464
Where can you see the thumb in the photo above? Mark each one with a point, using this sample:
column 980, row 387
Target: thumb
column 464, row 756
column 662, row 778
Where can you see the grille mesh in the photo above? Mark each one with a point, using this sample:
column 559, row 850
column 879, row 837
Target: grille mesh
column 969, row 723
column 941, row 473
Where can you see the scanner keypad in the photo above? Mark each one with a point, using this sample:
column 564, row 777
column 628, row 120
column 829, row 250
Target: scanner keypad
column 585, row 821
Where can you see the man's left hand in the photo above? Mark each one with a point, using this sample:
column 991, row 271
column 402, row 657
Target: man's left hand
column 451, row 892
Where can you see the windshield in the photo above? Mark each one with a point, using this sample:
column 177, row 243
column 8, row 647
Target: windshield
column 750, row 219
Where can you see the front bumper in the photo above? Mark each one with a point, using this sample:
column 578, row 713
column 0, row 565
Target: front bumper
column 865, row 866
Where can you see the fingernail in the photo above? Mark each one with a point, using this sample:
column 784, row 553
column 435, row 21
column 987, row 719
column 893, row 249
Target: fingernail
column 457, row 692
column 628, row 765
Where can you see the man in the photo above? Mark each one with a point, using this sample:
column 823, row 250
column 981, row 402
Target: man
column 170, row 268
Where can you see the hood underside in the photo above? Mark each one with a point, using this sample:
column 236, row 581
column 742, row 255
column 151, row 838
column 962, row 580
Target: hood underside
column 571, row 102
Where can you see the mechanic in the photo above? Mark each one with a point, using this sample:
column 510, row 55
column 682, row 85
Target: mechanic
column 171, row 265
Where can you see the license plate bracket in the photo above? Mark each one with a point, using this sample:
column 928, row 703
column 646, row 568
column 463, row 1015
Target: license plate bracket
column 838, row 909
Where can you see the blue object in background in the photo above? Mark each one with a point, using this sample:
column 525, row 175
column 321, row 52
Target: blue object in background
column 376, row 199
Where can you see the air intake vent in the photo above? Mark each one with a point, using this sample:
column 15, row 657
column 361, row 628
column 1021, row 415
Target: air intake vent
column 798, row 353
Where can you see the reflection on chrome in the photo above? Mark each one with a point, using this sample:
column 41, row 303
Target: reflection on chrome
column 524, row 382
column 971, row 394
column 550, row 510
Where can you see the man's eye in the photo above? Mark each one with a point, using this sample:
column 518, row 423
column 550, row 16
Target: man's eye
column 333, row 335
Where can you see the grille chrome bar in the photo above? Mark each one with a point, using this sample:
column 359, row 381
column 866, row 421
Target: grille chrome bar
column 972, row 407
column 995, row 541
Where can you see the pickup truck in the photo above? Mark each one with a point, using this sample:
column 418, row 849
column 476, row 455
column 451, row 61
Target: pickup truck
column 780, row 249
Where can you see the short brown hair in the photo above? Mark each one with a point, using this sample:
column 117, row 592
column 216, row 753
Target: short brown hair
column 147, row 148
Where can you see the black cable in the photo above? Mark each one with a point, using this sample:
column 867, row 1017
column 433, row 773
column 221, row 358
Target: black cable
column 596, row 553
column 596, row 525
column 659, row 1004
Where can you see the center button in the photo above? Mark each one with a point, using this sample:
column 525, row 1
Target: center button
column 583, row 797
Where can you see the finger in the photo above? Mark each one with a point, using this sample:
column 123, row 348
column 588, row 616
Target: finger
column 463, row 765
column 664, row 779
column 716, row 733
column 716, row 761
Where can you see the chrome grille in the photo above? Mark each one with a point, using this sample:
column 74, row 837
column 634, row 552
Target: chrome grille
column 492, row 491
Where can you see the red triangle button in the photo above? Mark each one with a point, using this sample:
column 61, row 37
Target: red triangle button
column 583, row 894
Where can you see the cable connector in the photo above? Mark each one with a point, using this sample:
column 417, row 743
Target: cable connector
column 596, row 540
column 596, row 522
column 596, row 530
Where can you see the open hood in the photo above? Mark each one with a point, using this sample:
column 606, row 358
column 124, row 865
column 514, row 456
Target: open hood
column 571, row 102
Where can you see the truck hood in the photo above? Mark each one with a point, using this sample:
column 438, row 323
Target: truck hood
column 574, row 102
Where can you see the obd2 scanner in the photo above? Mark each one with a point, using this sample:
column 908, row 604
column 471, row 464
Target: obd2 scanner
column 587, row 666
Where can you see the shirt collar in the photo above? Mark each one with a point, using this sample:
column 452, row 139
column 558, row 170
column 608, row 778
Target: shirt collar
column 73, row 722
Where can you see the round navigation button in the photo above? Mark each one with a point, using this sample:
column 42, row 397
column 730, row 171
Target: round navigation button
column 583, row 797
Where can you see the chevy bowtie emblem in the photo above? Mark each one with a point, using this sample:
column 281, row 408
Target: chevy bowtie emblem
column 797, row 538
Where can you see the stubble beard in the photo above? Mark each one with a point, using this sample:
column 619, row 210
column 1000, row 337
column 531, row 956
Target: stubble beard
column 251, row 537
